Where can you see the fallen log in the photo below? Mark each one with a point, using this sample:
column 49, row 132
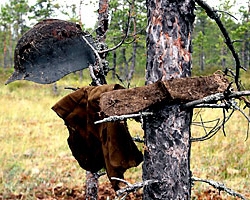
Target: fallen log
column 181, row 90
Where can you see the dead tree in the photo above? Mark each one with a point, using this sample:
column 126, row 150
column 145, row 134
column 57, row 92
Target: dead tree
column 167, row 132
column 92, row 178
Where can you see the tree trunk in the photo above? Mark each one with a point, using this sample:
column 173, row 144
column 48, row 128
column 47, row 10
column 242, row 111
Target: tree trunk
column 133, row 57
column 92, row 179
column 167, row 132
column 91, row 186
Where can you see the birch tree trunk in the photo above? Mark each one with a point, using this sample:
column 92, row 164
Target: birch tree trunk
column 167, row 132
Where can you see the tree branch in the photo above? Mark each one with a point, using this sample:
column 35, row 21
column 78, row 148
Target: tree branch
column 216, row 97
column 123, row 117
column 219, row 186
column 213, row 15
column 133, row 187
column 214, row 130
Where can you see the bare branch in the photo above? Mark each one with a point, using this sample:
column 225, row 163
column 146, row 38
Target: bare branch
column 214, row 130
column 219, row 186
column 213, row 15
column 206, row 122
column 132, row 187
column 227, row 14
column 208, row 105
column 216, row 97
column 71, row 88
column 123, row 117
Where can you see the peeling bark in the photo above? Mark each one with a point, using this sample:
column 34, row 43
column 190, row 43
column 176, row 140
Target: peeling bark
column 167, row 132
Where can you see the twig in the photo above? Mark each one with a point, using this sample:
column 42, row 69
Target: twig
column 224, row 122
column 214, row 130
column 227, row 14
column 71, row 88
column 207, row 136
column 210, row 121
column 219, row 186
column 123, row 117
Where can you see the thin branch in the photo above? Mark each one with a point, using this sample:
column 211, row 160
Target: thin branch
column 71, row 88
column 216, row 97
column 95, row 51
column 219, row 186
column 208, row 105
column 207, row 136
column 213, row 15
column 132, row 187
column 206, row 122
column 224, row 122
column 227, row 14
column 236, row 107
column 248, row 126
column 214, row 130
column 202, row 124
column 123, row 117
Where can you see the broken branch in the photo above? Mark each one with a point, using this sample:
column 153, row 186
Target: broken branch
column 132, row 187
column 123, row 117
column 216, row 97
column 219, row 186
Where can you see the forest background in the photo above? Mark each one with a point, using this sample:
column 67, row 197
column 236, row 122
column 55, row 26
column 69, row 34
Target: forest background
column 33, row 140
column 209, row 48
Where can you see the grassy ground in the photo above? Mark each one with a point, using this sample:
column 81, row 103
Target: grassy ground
column 35, row 155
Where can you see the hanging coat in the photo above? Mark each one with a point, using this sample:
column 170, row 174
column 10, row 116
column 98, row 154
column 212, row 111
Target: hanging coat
column 96, row 146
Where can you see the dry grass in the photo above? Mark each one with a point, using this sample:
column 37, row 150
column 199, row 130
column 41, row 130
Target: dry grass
column 35, row 155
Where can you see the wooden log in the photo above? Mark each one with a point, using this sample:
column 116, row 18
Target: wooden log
column 181, row 90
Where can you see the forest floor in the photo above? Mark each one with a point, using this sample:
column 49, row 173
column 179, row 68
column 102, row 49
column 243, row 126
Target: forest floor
column 36, row 162
column 105, row 193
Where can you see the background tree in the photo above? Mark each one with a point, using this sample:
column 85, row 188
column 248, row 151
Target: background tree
column 123, row 59
column 43, row 9
column 12, row 25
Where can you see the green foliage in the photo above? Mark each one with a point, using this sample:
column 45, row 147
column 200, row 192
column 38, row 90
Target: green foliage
column 209, row 43
column 135, row 43
column 43, row 9
column 209, row 49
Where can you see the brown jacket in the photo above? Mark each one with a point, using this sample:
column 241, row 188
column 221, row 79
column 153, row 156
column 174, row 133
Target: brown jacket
column 96, row 146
